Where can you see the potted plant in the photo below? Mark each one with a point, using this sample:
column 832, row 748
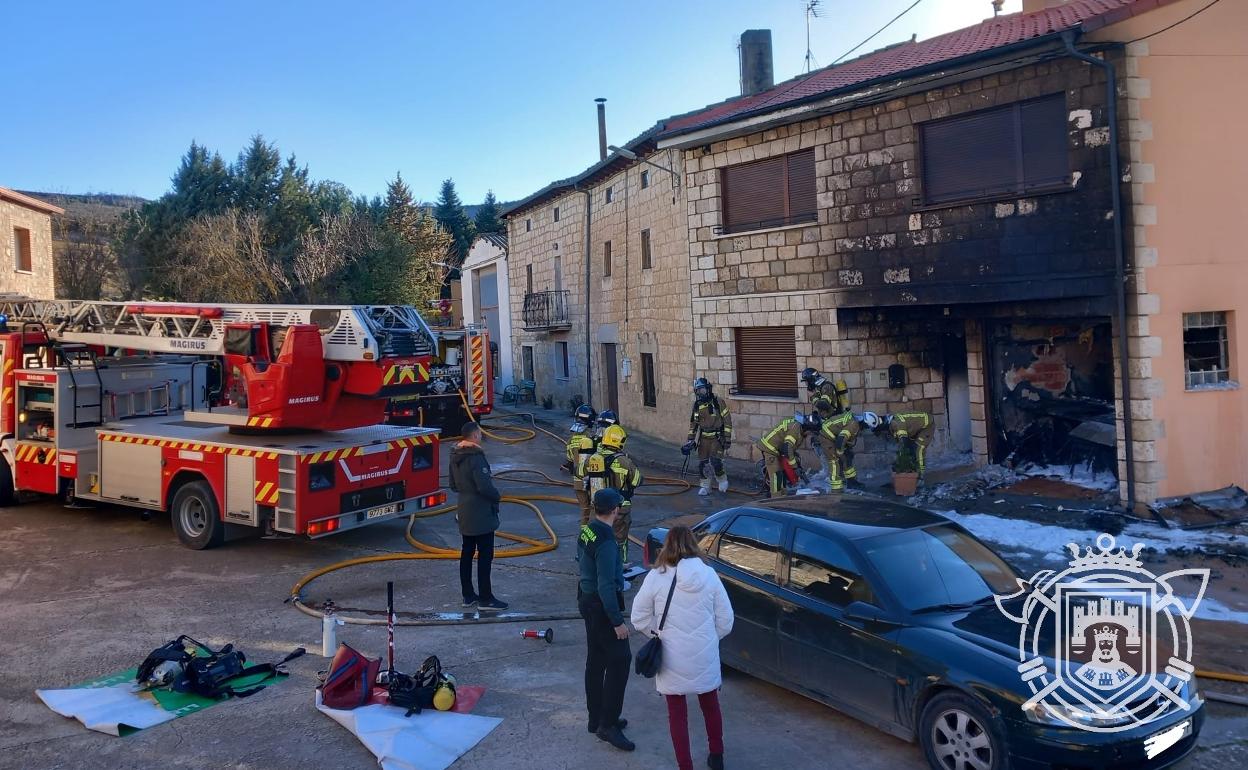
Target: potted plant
column 905, row 472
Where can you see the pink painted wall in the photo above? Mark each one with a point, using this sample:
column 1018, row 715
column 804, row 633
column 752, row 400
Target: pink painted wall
column 1195, row 77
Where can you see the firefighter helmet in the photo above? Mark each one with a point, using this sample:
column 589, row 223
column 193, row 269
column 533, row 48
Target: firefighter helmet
column 701, row 387
column 613, row 438
column 607, row 418
column 809, row 374
column 871, row 420
column 585, row 414
column 809, row 422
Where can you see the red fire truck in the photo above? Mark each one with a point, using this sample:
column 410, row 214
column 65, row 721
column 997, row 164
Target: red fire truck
column 230, row 417
column 460, row 383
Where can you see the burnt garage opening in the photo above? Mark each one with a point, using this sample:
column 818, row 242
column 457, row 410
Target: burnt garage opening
column 1052, row 393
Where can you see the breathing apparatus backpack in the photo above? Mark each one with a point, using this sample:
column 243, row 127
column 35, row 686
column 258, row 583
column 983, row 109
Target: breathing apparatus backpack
column 429, row 688
column 186, row 665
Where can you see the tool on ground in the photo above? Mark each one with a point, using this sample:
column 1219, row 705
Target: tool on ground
column 684, row 468
column 348, row 683
column 548, row 635
column 186, row 665
column 389, row 630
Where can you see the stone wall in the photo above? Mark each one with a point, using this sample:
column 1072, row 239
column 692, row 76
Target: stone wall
column 40, row 281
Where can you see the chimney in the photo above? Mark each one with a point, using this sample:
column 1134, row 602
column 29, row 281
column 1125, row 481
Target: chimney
column 602, row 128
column 756, row 71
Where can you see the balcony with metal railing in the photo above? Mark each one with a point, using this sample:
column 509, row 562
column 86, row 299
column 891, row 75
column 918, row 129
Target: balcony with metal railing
column 546, row 310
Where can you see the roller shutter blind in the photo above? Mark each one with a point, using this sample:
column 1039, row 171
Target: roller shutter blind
column 770, row 193
column 1001, row 151
column 766, row 360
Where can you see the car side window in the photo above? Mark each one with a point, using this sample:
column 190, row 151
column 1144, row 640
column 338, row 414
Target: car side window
column 822, row 569
column 750, row 544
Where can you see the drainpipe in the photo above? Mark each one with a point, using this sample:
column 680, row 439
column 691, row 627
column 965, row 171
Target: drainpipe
column 589, row 358
column 1124, row 376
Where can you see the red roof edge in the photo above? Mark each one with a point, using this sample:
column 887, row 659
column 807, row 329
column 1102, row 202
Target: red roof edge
column 13, row 196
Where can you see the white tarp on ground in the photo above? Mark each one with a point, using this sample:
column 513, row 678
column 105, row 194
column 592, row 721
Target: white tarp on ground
column 430, row 740
column 106, row 709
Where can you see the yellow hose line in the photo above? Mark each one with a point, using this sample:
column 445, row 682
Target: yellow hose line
column 1222, row 676
column 657, row 481
column 531, row 547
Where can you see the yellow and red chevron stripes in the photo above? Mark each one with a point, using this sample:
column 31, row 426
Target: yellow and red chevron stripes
column 478, row 371
column 26, row 453
column 6, row 393
column 259, row 422
column 404, row 373
column 266, row 493
column 335, row 454
column 189, row 445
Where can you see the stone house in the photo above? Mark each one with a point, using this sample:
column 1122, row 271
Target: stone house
column 608, row 324
column 486, row 301
column 957, row 225
column 26, row 238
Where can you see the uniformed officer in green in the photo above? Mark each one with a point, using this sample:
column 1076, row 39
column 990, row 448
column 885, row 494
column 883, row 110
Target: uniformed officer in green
column 841, row 432
column 581, row 446
column 784, row 441
column 710, row 432
column 601, row 604
column 908, row 428
column 610, row 468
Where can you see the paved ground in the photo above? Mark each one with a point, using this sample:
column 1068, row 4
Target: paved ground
column 83, row 593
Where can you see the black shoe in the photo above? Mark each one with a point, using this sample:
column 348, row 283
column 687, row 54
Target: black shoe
column 613, row 736
column 854, row 484
column 493, row 605
column 593, row 728
column 715, row 762
column 469, row 603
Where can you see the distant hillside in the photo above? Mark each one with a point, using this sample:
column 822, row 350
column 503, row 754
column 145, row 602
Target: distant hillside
column 97, row 207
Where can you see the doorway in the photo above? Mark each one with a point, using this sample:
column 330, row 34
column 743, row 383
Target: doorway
column 526, row 363
column 957, row 392
column 610, row 375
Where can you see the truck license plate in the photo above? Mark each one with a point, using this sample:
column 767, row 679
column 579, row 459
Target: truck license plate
column 385, row 510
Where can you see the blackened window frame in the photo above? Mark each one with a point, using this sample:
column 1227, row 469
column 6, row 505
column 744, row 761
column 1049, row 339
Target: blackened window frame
column 1020, row 186
column 649, row 392
column 647, row 250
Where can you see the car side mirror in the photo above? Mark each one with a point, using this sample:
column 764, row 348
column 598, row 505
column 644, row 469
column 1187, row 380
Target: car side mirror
column 861, row 612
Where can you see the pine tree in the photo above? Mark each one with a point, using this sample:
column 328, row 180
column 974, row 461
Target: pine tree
column 455, row 221
column 487, row 220
column 256, row 176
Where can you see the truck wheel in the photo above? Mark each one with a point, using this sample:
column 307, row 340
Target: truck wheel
column 196, row 517
column 7, row 495
column 957, row 733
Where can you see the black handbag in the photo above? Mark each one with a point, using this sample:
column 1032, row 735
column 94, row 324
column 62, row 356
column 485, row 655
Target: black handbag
column 650, row 656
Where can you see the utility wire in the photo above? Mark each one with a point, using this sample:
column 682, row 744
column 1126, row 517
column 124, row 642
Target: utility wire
column 881, row 29
column 1177, row 23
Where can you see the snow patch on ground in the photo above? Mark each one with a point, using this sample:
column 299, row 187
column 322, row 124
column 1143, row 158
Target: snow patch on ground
column 1027, row 539
column 1081, row 475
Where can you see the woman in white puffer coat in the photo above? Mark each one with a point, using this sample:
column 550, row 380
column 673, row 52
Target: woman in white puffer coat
column 700, row 615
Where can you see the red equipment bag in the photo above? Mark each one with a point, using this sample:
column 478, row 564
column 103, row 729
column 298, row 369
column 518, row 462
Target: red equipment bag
column 790, row 473
column 349, row 682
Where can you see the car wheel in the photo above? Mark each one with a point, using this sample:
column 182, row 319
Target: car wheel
column 957, row 733
column 8, row 496
column 196, row 517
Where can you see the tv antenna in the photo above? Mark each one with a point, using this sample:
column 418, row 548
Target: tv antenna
column 812, row 12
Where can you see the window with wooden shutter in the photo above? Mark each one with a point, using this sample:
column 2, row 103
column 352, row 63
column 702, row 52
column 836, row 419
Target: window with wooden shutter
column 646, row 260
column 649, row 396
column 766, row 360
column 773, row 192
column 606, row 259
column 1009, row 150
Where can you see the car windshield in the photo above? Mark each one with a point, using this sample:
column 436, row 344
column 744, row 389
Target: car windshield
column 938, row 566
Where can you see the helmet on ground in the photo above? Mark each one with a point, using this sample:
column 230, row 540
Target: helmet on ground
column 701, row 387
column 613, row 437
column 871, row 420
column 809, row 374
column 608, row 418
column 811, row 421
column 585, row 414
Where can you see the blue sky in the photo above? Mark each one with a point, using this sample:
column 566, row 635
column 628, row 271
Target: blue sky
column 497, row 95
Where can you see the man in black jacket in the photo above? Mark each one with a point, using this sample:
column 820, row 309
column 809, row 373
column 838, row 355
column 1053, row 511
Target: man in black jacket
column 477, row 516
column 602, row 606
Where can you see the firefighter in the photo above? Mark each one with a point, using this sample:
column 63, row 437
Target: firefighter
column 841, row 432
column 910, row 429
column 605, row 420
column 783, row 442
column 610, row 468
column 582, row 443
column 827, row 397
column 710, row 432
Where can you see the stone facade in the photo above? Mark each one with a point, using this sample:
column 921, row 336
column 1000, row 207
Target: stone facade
column 882, row 277
column 638, row 309
column 39, row 282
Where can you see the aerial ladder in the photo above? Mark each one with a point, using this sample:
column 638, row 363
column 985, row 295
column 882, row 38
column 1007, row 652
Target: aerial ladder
column 227, row 415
